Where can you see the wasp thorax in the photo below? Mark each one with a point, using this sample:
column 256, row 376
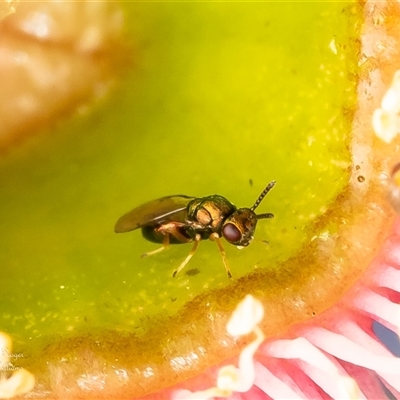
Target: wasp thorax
column 238, row 229
column 210, row 212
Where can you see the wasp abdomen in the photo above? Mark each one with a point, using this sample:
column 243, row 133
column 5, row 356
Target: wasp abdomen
column 156, row 234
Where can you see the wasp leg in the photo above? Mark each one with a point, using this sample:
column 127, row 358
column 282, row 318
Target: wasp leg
column 189, row 256
column 217, row 240
column 165, row 245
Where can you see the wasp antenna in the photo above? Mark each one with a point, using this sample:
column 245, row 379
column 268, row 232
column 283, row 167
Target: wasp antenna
column 261, row 196
column 266, row 215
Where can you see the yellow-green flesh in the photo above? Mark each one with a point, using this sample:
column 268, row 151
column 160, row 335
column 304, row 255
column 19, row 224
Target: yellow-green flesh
column 221, row 99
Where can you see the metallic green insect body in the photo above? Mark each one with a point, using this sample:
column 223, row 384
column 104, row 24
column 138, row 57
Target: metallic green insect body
column 182, row 219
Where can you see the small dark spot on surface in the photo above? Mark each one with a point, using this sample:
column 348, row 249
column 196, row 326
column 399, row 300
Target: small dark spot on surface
column 313, row 314
column 192, row 272
column 360, row 178
column 357, row 167
column 265, row 241
column 173, row 299
column 251, row 182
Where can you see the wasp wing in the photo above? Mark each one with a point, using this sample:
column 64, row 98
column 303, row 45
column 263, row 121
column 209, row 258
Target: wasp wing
column 164, row 209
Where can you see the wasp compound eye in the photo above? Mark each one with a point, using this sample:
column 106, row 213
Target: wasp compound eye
column 231, row 233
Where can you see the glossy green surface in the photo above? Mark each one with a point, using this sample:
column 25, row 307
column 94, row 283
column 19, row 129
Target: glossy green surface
column 221, row 99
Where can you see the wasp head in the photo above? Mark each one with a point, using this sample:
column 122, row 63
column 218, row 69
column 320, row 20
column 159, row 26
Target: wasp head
column 238, row 229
